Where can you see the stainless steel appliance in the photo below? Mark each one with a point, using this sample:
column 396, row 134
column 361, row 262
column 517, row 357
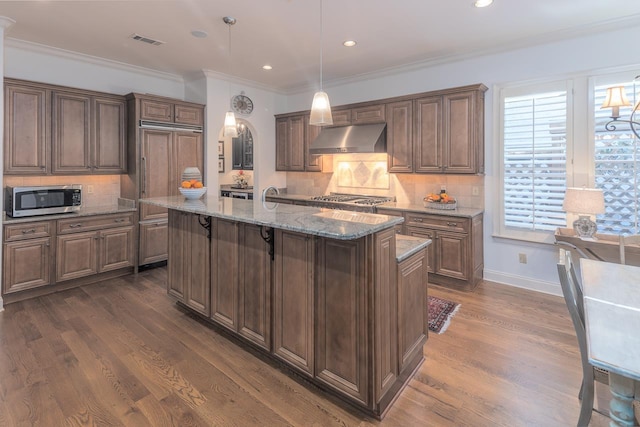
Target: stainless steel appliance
column 42, row 200
column 351, row 202
column 248, row 195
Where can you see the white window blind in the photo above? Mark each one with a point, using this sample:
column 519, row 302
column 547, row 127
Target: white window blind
column 617, row 168
column 534, row 160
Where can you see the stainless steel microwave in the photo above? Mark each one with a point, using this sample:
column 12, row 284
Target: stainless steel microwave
column 42, row 200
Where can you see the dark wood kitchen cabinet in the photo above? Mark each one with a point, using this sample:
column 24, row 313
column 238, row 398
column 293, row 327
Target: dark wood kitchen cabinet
column 187, row 269
column 27, row 256
column 400, row 136
column 59, row 130
column 290, row 143
column 159, row 110
column 456, row 253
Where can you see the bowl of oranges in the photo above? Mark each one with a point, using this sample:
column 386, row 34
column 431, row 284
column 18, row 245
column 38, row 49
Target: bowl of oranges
column 441, row 201
column 192, row 189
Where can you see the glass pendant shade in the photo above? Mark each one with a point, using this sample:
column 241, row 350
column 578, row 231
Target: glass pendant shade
column 320, row 110
column 230, row 128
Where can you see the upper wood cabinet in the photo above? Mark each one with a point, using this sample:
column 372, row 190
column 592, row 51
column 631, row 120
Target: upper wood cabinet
column 312, row 163
column 171, row 112
column 399, row 136
column 369, row 114
column 290, row 143
column 51, row 129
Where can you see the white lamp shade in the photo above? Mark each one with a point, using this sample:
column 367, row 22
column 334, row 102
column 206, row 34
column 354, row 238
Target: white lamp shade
column 320, row 110
column 616, row 97
column 588, row 201
column 230, row 128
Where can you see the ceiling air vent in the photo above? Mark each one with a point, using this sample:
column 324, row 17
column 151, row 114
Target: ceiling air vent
column 144, row 39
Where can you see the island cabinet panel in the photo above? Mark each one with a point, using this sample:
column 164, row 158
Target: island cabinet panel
column 27, row 135
column 293, row 298
column 225, row 254
column 385, row 313
column 412, row 309
column 342, row 335
column 400, row 136
column 254, row 287
column 188, row 270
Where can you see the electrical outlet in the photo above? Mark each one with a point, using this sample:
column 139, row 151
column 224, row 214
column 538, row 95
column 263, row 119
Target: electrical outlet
column 522, row 258
column 90, row 189
column 475, row 191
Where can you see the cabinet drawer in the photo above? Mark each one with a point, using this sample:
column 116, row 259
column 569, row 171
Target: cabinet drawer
column 442, row 222
column 74, row 225
column 31, row 230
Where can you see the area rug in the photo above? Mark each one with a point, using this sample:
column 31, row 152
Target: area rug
column 440, row 313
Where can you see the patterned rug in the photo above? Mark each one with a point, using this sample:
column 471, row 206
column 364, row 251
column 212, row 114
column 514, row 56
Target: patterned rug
column 440, row 313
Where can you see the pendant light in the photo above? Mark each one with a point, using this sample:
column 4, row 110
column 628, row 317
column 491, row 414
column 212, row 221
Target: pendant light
column 321, row 108
column 230, row 128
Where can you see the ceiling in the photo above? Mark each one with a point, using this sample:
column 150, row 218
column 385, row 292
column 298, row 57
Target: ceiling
column 286, row 33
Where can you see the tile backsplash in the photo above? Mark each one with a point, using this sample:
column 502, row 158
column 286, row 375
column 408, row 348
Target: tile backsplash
column 361, row 173
column 106, row 188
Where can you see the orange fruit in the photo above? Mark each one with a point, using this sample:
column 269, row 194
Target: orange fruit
column 186, row 184
column 198, row 185
column 193, row 181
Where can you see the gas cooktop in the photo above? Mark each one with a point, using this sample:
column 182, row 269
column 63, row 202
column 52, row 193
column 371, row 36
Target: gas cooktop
column 356, row 202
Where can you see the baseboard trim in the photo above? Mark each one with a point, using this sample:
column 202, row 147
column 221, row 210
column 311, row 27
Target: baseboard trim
column 523, row 282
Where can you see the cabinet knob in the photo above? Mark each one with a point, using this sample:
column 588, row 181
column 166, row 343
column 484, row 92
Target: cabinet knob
column 417, row 219
column 47, row 244
column 29, row 231
column 452, row 224
column 118, row 220
column 75, row 225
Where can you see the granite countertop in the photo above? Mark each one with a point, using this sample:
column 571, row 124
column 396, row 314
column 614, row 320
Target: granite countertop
column 123, row 205
column 409, row 245
column 460, row 212
column 335, row 224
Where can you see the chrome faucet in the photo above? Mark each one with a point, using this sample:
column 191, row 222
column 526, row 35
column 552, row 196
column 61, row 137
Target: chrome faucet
column 270, row 190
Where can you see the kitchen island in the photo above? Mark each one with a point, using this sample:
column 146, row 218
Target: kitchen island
column 316, row 290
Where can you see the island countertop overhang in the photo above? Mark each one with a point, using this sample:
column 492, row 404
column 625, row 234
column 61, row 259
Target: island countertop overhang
column 335, row 224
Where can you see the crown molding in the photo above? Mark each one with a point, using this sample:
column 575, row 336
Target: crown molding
column 6, row 22
column 89, row 59
column 242, row 82
column 611, row 25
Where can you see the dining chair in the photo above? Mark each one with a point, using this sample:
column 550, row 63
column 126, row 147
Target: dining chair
column 574, row 299
column 625, row 240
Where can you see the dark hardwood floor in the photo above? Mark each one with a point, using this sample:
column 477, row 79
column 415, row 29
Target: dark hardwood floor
column 122, row 353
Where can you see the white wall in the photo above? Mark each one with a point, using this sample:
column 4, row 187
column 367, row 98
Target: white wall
column 584, row 54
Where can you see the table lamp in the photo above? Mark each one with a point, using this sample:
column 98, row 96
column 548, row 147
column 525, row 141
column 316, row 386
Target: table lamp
column 584, row 202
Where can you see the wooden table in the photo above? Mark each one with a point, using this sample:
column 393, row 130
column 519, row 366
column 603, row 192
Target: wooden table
column 612, row 321
column 605, row 248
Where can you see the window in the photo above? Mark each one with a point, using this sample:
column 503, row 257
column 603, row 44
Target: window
column 534, row 127
column 617, row 166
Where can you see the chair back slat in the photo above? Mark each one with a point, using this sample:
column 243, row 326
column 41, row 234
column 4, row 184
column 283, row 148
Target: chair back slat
column 626, row 240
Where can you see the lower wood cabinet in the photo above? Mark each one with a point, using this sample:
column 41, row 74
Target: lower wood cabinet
column 45, row 253
column 187, row 269
column 153, row 241
column 27, row 256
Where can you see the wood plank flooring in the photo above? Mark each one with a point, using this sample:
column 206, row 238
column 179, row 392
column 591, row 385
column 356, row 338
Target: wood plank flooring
column 121, row 353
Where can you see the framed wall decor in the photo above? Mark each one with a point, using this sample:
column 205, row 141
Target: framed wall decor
column 220, row 164
column 220, row 148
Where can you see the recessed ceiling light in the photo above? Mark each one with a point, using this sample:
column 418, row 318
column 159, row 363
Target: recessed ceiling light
column 199, row 34
column 482, row 3
column 350, row 43
column 267, row 67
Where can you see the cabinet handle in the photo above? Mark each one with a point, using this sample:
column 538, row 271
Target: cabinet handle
column 417, row 219
column 75, row 225
column 43, row 167
column 29, row 231
column 47, row 244
column 452, row 224
column 144, row 174
column 118, row 220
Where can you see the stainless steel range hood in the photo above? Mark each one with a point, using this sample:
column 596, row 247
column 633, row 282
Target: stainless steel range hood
column 351, row 139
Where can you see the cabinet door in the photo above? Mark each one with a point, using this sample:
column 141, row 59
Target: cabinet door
column 176, row 263
column 153, row 242
column 157, row 111
column 399, row 136
column 26, row 133
column 453, row 255
column 116, row 249
column 224, row 273
column 282, row 131
column 189, row 115
column 295, row 144
column 341, row 330
column 76, row 256
column 369, row 114
column 187, row 151
column 459, row 138
column 26, row 264
column 254, row 287
column 109, row 150
column 312, row 163
column 71, row 137
column 428, row 134
column 293, row 300
column 341, row 117
column 155, row 170
column 433, row 248
column 412, row 308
